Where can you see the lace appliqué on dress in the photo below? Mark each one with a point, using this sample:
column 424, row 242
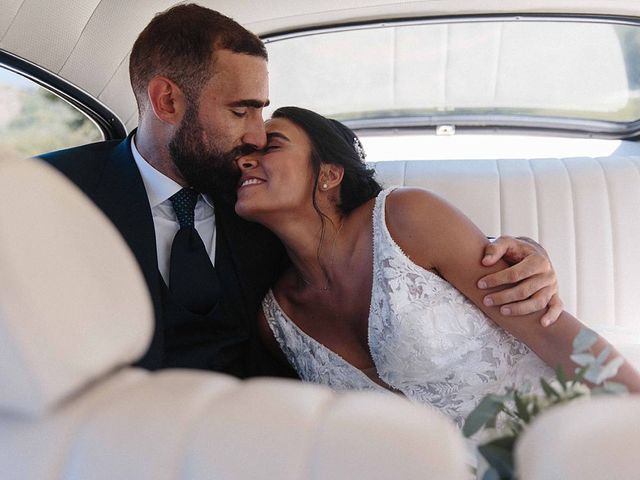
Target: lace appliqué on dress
column 426, row 339
column 430, row 342
column 312, row 361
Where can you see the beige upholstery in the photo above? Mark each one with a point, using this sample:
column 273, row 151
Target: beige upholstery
column 59, row 294
column 584, row 211
column 73, row 310
column 198, row 425
column 587, row 440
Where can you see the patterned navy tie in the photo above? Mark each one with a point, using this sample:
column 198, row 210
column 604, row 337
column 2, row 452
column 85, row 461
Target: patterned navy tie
column 184, row 204
column 192, row 279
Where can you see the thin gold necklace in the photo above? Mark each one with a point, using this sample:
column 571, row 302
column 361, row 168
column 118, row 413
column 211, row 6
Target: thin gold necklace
column 327, row 287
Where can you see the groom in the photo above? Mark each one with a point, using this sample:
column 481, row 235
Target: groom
column 200, row 82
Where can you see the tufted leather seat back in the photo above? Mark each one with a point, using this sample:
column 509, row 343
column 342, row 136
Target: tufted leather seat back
column 590, row 439
column 584, row 211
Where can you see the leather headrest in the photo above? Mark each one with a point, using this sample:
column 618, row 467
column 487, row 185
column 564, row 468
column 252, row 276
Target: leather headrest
column 73, row 303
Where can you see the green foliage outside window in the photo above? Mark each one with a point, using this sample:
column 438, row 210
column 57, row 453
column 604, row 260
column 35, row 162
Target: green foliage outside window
column 35, row 121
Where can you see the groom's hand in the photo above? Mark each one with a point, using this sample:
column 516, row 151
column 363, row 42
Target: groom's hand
column 536, row 284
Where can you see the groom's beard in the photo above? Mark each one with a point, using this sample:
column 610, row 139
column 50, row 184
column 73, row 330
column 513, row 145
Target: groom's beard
column 206, row 168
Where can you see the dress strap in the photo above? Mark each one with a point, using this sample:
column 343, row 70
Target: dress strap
column 382, row 238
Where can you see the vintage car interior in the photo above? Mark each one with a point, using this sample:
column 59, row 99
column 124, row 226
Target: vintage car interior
column 524, row 114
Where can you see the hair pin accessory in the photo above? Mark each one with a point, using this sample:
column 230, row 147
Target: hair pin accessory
column 357, row 146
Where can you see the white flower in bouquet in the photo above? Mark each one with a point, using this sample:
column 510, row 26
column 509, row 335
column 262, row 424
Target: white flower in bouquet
column 573, row 390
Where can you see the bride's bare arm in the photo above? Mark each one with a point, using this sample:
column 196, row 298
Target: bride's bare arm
column 438, row 237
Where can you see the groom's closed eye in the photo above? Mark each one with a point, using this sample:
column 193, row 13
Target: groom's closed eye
column 271, row 147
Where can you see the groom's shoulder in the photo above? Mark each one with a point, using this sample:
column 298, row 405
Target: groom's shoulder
column 89, row 153
column 85, row 163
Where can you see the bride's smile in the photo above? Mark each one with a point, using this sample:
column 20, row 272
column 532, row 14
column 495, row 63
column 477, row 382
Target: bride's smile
column 278, row 179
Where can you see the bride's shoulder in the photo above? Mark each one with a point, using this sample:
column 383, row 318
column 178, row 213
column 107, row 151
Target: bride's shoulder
column 421, row 223
column 405, row 206
column 410, row 194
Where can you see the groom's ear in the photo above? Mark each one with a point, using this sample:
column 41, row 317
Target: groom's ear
column 166, row 99
column 331, row 175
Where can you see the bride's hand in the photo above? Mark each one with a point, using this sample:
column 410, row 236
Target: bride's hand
column 536, row 284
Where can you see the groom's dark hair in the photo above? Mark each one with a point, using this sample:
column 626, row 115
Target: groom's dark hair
column 179, row 44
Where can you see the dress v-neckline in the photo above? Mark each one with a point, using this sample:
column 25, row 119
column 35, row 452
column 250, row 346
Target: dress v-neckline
column 378, row 215
column 336, row 356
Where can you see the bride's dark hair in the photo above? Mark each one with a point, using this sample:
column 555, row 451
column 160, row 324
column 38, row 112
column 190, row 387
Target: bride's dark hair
column 334, row 143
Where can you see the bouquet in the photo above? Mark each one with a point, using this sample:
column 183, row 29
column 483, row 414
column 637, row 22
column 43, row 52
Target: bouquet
column 514, row 410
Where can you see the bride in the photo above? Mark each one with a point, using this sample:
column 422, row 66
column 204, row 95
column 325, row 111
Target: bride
column 381, row 292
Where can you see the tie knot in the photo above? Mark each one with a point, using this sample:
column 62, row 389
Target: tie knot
column 184, row 204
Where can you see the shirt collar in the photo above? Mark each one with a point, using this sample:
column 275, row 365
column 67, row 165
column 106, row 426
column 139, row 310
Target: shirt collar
column 159, row 187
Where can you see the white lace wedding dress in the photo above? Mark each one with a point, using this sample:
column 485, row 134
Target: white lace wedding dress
column 426, row 339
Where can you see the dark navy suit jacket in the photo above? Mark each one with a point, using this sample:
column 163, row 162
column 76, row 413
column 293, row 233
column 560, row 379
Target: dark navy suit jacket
column 107, row 173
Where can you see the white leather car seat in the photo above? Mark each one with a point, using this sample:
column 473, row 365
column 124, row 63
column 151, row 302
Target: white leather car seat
column 584, row 440
column 74, row 313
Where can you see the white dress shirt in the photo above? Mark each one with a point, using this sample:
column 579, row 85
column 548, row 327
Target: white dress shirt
column 159, row 189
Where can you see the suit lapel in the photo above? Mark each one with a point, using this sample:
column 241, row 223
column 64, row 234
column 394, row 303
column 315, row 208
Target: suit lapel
column 122, row 196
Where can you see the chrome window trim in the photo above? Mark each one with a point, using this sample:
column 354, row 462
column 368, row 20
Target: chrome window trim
column 437, row 20
column 520, row 123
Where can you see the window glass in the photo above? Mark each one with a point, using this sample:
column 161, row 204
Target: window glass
column 512, row 67
column 34, row 121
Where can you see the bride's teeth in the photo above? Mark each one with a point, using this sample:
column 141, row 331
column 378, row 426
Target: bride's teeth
column 251, row 181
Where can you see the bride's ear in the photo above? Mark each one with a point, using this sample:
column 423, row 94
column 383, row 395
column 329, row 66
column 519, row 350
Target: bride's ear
column 330, row 176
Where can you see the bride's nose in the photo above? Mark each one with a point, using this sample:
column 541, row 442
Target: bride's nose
column 248, row 161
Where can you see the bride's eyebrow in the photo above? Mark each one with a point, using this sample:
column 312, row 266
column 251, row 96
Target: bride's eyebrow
column 272, row 135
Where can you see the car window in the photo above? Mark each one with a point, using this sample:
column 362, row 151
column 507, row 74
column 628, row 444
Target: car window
column 469, row 75
column 558, row 68
column 34, row 120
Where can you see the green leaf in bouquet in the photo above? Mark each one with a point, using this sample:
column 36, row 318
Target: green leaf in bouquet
column 548, row 389
column 583, row 359
column 535, row 409
column 485, row 413
column 562, row 377
column 585, row 339
column 522, row 407
column 491, row 474
column 499, row 455
column 580, row 373
column 516, row 428
column 491, row 423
